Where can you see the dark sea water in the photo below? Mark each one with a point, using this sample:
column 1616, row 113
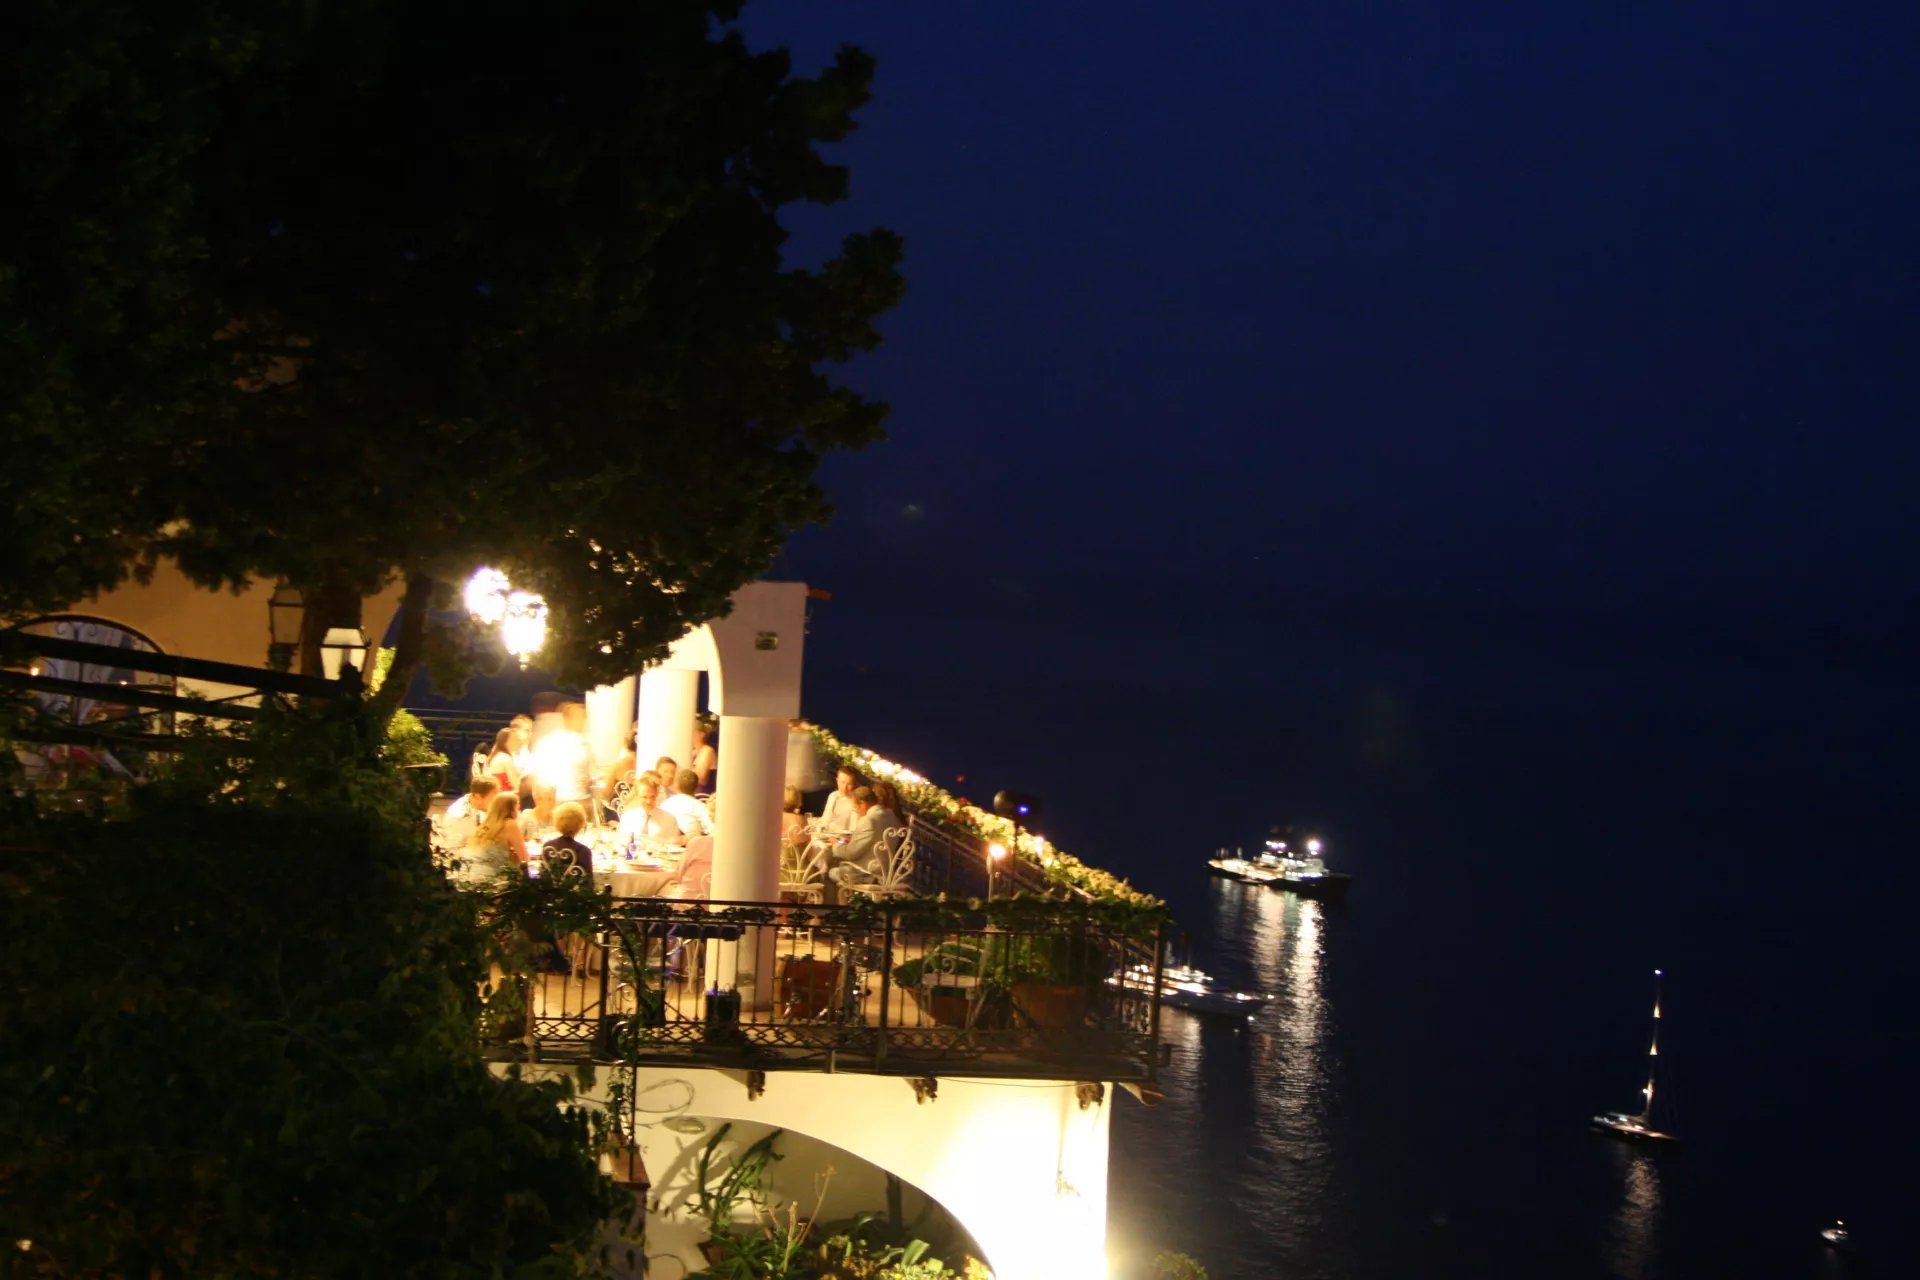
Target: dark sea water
column 1531, row 835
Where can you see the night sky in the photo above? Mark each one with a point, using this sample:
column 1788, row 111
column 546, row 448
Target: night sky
column 1446, row 328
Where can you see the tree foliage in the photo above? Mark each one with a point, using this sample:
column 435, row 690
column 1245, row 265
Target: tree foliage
column 339, row 292
column 238, row 1037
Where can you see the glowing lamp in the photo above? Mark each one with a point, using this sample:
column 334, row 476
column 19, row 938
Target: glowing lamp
column 996, row 851
column 523, row 627
column 486, row 595
column 343, row 649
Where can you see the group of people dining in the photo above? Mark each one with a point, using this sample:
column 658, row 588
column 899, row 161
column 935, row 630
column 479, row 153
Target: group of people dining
column 857, row 829
column 534, row 794
column 538, row 789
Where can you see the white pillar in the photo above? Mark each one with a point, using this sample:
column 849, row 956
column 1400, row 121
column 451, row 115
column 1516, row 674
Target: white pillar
column 609, row 717
column 667, row 697
column 746, row 824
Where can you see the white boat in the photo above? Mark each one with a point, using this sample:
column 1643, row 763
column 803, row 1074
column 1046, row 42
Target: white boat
column 1238, row 867
column 1837, row 1235
column 1639, row 1128
column 1302, row 870
column 1185, row 987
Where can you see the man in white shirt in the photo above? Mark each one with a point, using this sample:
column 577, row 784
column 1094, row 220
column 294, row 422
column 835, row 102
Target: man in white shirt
column 693, row 817
column 645, row 819
column 464, row 816
column 838, row 814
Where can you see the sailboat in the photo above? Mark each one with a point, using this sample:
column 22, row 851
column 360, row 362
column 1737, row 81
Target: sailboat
column 1639, row 1128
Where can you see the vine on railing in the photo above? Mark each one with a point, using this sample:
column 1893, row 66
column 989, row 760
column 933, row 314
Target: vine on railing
column 933, row 801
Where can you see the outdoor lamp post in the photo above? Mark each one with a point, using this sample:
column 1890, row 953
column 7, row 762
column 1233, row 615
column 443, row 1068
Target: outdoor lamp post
column 996, row 854
column 284, row 610
column 343, row 649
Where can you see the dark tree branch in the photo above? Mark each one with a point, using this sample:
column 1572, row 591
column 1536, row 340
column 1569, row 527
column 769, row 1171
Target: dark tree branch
column 409, row 649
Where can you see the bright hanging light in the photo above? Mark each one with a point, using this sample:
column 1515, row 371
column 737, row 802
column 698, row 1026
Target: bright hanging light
column 996, row 851
column 486, row 595
column 521, row 615
column 523, row 628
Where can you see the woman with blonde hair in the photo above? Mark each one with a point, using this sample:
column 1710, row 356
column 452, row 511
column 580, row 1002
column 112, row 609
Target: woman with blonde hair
column 565, row 851
column 497, row 846
column 793, row 818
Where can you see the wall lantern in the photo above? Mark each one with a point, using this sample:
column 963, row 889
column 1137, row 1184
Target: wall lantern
column 523, row 629
column 343, row 649
column 285, row 611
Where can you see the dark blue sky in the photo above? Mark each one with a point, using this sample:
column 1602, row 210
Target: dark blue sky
column 1424, row 299
column 1243, row 339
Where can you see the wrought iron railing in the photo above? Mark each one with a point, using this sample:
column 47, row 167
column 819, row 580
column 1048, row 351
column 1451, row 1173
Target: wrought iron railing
column 956, row 863
column 457, row 734
column 904, row 988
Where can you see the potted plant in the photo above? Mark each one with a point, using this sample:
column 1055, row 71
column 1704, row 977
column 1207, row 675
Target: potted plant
column 1052, row 979
column 958, row 982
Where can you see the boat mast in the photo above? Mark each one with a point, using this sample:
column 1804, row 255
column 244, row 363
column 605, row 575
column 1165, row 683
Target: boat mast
column 1653, row 1051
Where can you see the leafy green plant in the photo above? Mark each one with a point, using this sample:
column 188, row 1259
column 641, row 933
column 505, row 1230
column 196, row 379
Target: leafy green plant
column 1177, row 1266
column 717, row 1198
column 961, row 958
column 1003, row 960
column 408, row 745
column 241, row 1035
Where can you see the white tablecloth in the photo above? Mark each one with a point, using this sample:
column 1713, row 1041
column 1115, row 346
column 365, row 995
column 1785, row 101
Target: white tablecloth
column 639, row 883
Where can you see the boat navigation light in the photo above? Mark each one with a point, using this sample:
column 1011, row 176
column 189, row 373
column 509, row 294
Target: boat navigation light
column 1657, row 972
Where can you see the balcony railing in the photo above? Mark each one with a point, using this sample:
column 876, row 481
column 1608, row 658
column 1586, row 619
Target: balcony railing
column 903, row 988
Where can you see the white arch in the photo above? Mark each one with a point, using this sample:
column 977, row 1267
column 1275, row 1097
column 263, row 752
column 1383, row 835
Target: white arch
column 1019, row 1163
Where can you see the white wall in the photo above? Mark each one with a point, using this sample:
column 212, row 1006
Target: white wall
column 1018, row 1163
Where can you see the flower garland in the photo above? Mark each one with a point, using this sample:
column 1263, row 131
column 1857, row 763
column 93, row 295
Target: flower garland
column 937, row 803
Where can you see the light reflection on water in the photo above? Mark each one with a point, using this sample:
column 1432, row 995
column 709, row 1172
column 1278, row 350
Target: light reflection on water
column 1633, row 1244
column 1289, row 1060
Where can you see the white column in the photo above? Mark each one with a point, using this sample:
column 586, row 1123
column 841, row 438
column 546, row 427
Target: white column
column 746, row 844
column 609, row 717
column 667, row 697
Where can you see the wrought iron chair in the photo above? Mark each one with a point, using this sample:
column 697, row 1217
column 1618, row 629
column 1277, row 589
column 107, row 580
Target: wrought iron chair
column 894, row 878
column 617, row 799
column 695, row 877
column 803, row 871
column 957, row 969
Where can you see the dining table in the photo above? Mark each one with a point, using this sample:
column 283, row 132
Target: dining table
column 637, row 868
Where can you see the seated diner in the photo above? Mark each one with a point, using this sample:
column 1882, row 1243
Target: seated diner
column 565, row 852
column 644, row 819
